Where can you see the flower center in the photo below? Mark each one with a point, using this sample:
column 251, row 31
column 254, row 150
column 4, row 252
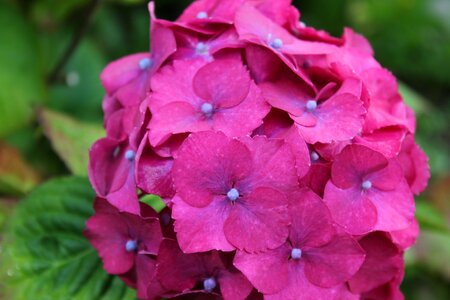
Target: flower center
column 314, row 156
column 276, row 43
column 202, row 15
column 209, row 284
column 207, row 108
column 233, row 194
column 201, row 49
column 311, row 105
column 367, row 184
column 296, row 253
column 130, row 155
column 145, row 63
column 131, row 245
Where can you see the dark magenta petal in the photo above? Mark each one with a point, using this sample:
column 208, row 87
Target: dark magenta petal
column 312, row 225
column 333, row 263
column 218, row 162
column 224, row 82
column 267, row 271
column 202, row 229
column 351, row 209
column 382, row 263
column 258, row 221
column 234, row 285
column 354, row 163
column 146, row 272
column 300, row 151
column 387, row 140
column 108, row 233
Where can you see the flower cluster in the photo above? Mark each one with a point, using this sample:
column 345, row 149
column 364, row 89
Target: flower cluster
column 285, row 157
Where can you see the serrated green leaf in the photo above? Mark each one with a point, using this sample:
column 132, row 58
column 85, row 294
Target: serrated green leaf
column 21, row 76
column 47, row 257
column 71, row 139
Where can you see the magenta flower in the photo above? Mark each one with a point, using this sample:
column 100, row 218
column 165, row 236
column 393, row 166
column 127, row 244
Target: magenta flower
column 210, row 272
column 315, row 258
column 237, row 184
column 382, row 263
column 192, row 96
column 368, row 192
column 319, row 117
column 120, row 236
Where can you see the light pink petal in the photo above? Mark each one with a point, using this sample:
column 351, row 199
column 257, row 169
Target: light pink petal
column 218, row 162
column 287, row 95
column 267, row 271
column 243, row 118
column 259, row 221
column 225, row 82
column 312, row 225
column 351, row 209
column 333, row 263
column 387, row 178
column 383, row 262
column 339, row 118
column 273, row 165
column 174, row 118
column 173, row 83
column 355, row 162
column 299, row 287
column 415, row 165
column 395, row 208
column 122, row 71
column 202, row 229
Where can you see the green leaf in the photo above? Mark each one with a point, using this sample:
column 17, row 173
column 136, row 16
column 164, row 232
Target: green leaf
column 47, row 257
column 21, row 76
column 154, row 201
column 71, row 139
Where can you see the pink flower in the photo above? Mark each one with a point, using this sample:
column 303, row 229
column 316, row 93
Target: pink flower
column 368, row 192
column 237, row 185
column 120, row 236
column 192, row 96
column 319, row 117
column 210, row 272
column 315, row 258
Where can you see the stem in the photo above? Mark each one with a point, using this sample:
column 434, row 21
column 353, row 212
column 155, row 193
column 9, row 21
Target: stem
column 77, row 37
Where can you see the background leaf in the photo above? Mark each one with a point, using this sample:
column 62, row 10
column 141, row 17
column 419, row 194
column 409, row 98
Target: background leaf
column 47, row 257
column 71, row 139
column 21, row 80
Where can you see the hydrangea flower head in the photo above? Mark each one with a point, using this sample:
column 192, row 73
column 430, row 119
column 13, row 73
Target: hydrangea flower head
column 285, row 158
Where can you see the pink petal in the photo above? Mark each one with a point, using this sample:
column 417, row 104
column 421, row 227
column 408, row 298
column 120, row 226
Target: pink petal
column 387, row 140
column 267, row 271
column 312, row 225
column 395, row 208
column 405, row 238
column 333, row 263
column 339, row 118
column 263, row 64
column 317, row 177
column 350, row 209
column 234, row 285
column 146, row 271
column 387, row 178
column 218, row 161
column 383, row 262
column 108, row 234
column 353, row 163
column 202, row 229
column 273, row 165
column 259, row 221
column 300, row 151
column 225, row 82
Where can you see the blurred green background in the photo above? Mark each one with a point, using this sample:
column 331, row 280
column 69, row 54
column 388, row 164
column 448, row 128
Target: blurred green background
column 49, row 119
